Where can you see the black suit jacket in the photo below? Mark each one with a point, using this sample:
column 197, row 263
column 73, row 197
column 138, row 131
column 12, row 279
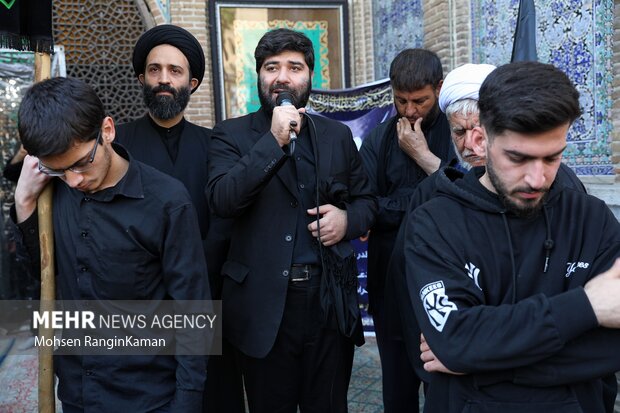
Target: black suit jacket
column 144, row 143
column 247, row 182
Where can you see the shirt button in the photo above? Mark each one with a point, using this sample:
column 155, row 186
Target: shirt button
column 288, row 238
column 285, row 273
column 86, row 199
column 294, row 204
column 299, row 158
column 84, row 269
column 84, row 234
column 89, row 372
column 302, row 186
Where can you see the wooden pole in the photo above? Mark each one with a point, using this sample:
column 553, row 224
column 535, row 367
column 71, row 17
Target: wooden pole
column 47, row 398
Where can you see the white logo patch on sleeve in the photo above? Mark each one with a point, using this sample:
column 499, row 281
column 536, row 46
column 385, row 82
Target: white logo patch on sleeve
column 436, row 304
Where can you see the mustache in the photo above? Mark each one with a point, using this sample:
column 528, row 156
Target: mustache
column 530, row 190
column 164, row 88
column 281, row 88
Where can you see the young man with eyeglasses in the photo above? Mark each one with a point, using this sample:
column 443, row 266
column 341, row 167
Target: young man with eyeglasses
column 122, row 231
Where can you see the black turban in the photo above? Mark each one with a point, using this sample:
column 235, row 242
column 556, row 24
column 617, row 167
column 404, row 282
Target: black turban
column 174, row 36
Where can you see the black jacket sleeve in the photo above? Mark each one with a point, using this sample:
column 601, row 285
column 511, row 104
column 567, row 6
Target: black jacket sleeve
column 362, row 205
column 392, row 207
column 237, row 176
column 589, row 356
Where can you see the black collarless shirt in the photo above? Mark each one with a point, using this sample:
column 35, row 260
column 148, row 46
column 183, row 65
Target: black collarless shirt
column 170, row 136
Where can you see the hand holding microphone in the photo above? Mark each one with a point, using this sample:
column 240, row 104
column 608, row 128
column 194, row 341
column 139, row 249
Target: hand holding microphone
column 284, row 123
column 286, row 99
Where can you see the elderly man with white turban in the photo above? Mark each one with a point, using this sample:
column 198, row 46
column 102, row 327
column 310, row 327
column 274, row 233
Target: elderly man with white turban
column 458, row 99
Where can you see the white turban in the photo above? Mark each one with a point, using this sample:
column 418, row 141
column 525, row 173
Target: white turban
column 463, row 83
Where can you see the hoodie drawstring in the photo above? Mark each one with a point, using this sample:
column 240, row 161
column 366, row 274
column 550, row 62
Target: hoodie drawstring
column 512, row 259
column 548, row 244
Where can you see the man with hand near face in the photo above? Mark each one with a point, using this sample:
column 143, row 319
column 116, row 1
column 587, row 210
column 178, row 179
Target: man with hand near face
column 398, row 155
column 292, row 352
column 122, row 231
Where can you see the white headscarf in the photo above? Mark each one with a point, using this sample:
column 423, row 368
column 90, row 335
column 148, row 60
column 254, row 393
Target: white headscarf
column 463, row 83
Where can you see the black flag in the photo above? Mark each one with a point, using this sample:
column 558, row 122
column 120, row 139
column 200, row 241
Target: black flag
column 524, row 47
column 26, row 25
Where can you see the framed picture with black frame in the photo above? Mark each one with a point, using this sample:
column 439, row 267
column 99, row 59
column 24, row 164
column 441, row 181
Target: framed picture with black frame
column 237, row 26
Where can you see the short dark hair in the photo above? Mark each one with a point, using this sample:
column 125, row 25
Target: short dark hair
column 527, row 97
column 57, row 112
column 277, row 41
column 413, row 69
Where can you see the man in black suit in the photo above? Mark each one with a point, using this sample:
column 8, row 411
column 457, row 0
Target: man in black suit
column 278, row 293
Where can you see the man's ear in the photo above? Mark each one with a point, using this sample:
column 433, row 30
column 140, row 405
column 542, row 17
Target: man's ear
column 108, row 130
column 438, row 88
column 141, row 78
column 193, row 83
column 479, row 141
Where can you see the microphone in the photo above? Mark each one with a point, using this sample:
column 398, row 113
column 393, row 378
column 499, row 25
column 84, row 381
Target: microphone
column 286, row 99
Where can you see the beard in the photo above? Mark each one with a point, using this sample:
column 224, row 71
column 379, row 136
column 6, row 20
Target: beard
column 300, row 95
column 431, row 116
column 165, row 107
column 525, row 209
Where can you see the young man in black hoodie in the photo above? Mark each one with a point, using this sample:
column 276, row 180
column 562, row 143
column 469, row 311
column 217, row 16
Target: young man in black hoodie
column 497, row 263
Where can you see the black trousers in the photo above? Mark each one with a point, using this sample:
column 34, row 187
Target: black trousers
column 224, row 387
column 400, row 381
column 309, row 366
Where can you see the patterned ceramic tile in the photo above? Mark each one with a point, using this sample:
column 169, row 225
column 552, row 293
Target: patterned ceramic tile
column 397, row 25
column 575, row 36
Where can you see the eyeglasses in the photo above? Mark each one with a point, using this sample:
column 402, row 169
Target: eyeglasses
column 79, row 167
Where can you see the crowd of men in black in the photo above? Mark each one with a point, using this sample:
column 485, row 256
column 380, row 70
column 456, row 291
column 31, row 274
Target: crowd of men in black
column 493, row 277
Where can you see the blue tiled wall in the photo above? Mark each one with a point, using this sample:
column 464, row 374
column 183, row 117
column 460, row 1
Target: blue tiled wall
column 575, row 36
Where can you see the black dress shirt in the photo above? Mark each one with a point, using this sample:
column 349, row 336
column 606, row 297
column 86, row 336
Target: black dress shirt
column 137, row 240
column 305, row 250
column 170, row 137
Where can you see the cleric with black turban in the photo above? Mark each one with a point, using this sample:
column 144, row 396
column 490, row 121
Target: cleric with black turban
column 174, row 36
